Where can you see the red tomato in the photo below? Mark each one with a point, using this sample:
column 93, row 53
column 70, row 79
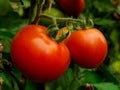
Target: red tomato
column 88, row 48
column 37, row 56
column 72, row 7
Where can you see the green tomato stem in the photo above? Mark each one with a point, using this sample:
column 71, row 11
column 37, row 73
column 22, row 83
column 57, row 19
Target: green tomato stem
column 58, row 19
column 6, row 66
column 52, row 2
column 32, row 13
column 39, row 6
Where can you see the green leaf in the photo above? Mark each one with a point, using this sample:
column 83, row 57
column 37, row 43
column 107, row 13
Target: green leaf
column 66, row 79
column 104, row 22
column 6, row 43
column 103, row 6
column 4, row 7
column 106, row 86
column 31, row 85
column 6, row 82
column 91, row 77
column 6, row 34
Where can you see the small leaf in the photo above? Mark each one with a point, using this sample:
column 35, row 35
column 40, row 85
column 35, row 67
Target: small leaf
column 6, row 82
column 6, row 33
column 106, row 86
column 91, row 77
column 103, row 6
column 104, row 22
column 31, row 85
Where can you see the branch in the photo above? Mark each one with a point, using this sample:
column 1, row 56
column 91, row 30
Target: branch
column 39, row 11
column 32, row 12
column 59, row 19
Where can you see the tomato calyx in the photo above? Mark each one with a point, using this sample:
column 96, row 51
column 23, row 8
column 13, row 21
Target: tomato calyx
column 72, row 25
column 53, row 32
column 84, row 24
column 81, row 23
column 62, row 37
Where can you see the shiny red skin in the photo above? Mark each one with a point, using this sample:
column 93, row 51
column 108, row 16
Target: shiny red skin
column 72, row 7
column 88, row 48
column 37, row 56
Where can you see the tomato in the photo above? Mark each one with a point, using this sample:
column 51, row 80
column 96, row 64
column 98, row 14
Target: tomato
column 88, row 48
column 53, row 12
column 37, row 56
column 72, row 7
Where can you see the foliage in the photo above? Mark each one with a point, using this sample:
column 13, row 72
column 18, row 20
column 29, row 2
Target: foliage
column 106, row 17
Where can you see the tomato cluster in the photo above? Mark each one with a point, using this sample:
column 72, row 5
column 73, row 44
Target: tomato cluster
column 41, row 59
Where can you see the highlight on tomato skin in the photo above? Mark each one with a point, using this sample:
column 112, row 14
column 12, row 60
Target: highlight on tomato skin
column 88, row 48
column 37, row 56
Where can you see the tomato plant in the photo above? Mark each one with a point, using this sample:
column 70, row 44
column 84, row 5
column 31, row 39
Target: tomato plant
column 88, row 48
column 14, row 14
column 72, row 7
column 37, row 56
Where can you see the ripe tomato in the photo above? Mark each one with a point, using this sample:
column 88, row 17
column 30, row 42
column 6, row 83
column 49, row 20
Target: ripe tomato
column 72, row 7
column 37, row 56
column 88, row 48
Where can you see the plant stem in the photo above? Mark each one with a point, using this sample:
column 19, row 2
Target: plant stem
column 32, row 12
column 21, row 84
column 7, row 67
column 38, row 11
column 59, row 19
column 17, row 80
